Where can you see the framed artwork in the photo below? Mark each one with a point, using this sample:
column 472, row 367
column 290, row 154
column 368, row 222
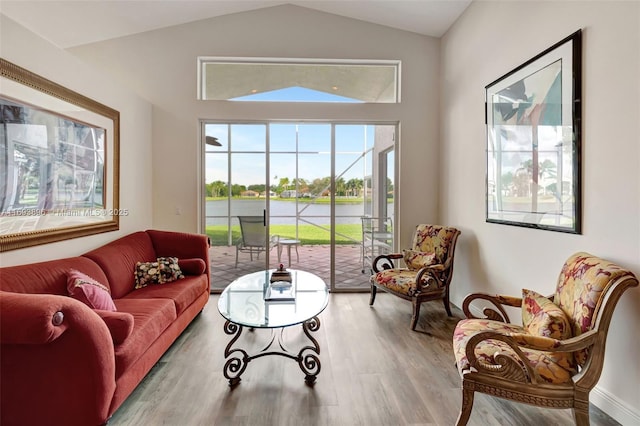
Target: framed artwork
column 533, row 141
column 59, row 158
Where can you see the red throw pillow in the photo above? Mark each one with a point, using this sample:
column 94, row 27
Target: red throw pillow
column 192, row 266
column 120, row 324
column 89, row 291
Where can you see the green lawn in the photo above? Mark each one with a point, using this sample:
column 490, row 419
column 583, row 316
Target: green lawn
column 307, row 234
column 319, row 200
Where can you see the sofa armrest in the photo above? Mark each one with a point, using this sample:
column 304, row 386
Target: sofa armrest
column 54, row 350
column 181, row 245
column 31, row 319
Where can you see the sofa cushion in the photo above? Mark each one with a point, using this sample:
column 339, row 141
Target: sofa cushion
column 182, row 292
column 48, row 277
column 192, row 266
column 120, row 324
column 89, row 291
column 542, row 317
column 150, row 318
column 118, row 260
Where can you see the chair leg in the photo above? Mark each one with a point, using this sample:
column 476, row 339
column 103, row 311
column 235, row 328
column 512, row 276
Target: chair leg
column 373, row 295
column 236, row 257
column 447, row 305
column 467, row 406
column 416, row 313
column 581, row 408
column 581, row 417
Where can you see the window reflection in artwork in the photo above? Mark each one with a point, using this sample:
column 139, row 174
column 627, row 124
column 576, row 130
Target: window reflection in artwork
column 533, row 176
column 51, row 162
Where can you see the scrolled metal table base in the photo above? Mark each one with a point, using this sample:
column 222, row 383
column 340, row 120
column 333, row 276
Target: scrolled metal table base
column 307, row 357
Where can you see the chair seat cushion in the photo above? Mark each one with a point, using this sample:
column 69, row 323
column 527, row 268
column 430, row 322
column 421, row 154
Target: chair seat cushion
column 400, row 280
column 553, row 367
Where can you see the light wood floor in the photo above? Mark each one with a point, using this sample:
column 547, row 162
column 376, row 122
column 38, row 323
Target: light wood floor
column 375, row 371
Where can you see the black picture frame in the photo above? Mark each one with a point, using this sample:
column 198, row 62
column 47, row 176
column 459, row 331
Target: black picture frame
column 533, row 118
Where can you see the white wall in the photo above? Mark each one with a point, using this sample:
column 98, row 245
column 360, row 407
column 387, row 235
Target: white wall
column 23, row 48
column 161, row 66
column 490, row 39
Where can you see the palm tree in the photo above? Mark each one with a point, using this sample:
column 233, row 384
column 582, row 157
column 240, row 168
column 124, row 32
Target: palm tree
column 284, row 183
column 340, row 186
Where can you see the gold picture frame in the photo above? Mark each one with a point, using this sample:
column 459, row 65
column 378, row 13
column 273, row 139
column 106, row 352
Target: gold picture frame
column 59, row 162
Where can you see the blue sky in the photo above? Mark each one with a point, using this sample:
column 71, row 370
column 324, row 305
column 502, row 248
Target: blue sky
column 248, row 144
column 296, row 94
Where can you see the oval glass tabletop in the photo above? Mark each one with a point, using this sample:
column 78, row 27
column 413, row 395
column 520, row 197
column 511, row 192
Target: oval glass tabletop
column 243, row 301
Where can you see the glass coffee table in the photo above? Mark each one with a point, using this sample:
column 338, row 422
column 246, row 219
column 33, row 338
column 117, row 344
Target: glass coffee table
column 242, row 304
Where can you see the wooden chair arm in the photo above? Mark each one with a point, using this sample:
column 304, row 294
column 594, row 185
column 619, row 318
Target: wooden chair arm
column 520, row 368
column 549, row 344
column 385, row 261
column 497, row 300
column 428, row 276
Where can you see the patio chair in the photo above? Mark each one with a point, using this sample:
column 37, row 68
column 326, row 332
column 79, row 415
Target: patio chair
column 377, row 234
column 253, row 237
column 555, row 358
column 428, row 271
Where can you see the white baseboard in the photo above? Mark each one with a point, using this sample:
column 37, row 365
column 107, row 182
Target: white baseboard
column 613, row 407
column 621, row 412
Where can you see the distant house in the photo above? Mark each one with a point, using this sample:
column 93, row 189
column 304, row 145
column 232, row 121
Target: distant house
column 271, row 194
column 290, row 193
column 249, row 193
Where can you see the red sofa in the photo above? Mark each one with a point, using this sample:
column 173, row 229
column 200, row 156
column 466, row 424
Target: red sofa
column 60, row 363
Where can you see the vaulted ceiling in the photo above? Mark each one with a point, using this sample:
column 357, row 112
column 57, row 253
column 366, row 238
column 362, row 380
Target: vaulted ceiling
column 74, row 23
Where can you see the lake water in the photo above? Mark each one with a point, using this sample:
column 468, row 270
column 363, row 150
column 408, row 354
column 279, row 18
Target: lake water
column 283, row 212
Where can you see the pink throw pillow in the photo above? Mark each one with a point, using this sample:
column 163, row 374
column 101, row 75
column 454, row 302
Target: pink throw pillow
column 89, row 291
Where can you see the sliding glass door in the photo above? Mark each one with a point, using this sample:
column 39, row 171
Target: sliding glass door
column 315, row 182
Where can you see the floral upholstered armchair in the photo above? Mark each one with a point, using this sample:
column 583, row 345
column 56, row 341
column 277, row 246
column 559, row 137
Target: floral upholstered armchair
column 555, row 358
column 428, row 271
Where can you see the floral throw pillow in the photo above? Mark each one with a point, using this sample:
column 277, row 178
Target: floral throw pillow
column 163, row 270
column 169, row 269
column 542, row 317
column 416, row 260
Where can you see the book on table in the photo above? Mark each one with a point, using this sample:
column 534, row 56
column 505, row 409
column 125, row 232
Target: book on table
column 280, row 275
column 280, row 291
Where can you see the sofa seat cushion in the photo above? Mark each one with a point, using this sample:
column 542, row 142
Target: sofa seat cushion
column 182, row 292
column 553, row 367
column 150, row 318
